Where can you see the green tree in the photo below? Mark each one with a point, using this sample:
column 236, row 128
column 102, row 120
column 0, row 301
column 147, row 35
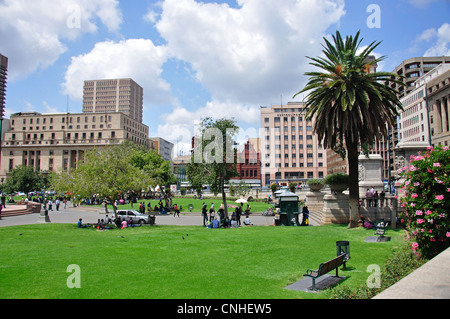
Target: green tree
column 108, row 172
column 351, row 105
column 157, row 169
column 214, row 160
column 24, row 179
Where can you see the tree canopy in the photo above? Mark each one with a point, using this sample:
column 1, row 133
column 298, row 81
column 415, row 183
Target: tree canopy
column 350, row 104
column 213, row 162
column 110, row 172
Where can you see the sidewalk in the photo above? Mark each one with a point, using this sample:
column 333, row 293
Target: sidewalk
column 431, row 281
column 91, row 215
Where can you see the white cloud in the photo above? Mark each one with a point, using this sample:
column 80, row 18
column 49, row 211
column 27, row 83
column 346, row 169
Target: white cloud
column 245, row 57
column 32, row 32
column 250, row 54
column 440, row 39
column 138, row 59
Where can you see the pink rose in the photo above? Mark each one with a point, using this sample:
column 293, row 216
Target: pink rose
column 440, row 197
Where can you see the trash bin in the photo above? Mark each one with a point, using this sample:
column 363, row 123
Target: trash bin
column 343, row 247
column 151, row 219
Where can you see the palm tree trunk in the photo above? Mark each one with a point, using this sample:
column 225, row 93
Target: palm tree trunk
column 352, row 155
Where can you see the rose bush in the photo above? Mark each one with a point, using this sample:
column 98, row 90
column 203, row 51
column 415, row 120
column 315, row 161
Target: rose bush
column 427, row 201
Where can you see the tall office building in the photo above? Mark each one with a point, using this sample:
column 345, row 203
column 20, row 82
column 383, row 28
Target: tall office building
column 290, row 152
column 413, row 68
column 113, row 95
column 3, row 75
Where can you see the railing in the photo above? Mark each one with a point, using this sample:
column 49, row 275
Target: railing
column 372, row 208
column 388, row 201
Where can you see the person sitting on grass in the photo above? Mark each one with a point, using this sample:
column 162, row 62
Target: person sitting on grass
column 247, row 221
column 124, row 224
column 215, row 223
column 80, row 224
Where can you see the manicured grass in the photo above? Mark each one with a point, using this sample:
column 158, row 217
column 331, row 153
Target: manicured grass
column 156, row 262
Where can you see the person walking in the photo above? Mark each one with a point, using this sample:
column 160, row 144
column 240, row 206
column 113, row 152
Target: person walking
column 204, row 214
column 305, row 219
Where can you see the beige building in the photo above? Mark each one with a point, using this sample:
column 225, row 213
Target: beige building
column 290, row 152
column 438, row 91
column 113, row 95
column 56, row 142
column 412, row 69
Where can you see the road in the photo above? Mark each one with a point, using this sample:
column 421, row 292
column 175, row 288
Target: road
column 93, row 214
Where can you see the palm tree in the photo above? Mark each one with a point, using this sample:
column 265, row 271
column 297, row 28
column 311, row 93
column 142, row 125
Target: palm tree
column 351, row 105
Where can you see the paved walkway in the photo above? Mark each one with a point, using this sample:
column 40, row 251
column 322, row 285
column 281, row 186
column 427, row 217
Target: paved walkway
column 431, row 281
column 92, row 214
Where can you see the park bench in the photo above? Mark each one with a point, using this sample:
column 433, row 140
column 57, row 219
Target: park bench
column 324, row 268
column 381, row 228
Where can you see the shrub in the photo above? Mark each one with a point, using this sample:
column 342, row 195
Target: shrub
column 336, row 178
column 315, row 181
column 427, row 201
column 400, row 264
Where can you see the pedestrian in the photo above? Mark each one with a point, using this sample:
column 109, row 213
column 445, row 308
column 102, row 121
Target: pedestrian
column 305, row 219
column 50, row 204
column 369, row 198
column 238, row 212
column 176, row 211
column 204, row 214
column 57, row 203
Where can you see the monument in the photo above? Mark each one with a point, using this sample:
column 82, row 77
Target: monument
column 370, row 173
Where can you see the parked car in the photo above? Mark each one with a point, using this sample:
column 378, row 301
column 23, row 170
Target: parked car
column 137, row 217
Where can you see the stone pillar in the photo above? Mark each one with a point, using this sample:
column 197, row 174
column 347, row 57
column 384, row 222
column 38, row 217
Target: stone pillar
column 370, row 173
column 314, row 201
column 336, row 209
column 403, row 152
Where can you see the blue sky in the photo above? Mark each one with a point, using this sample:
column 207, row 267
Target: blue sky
column 197, row 59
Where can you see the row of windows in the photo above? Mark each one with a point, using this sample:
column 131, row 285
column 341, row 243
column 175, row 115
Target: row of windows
column 293, row 175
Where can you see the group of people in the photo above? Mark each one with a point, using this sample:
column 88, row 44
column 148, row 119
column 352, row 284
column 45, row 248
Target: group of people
column 372, row 197
column 224, row 221
column 106, row 223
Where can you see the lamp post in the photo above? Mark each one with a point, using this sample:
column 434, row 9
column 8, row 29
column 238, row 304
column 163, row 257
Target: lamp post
column 43, row 216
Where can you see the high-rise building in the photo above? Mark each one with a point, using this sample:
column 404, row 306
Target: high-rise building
column 3, row 76
column 113, row 95
column 439, row 104
column 414, row 71
column 413, row 68
column 290, row 152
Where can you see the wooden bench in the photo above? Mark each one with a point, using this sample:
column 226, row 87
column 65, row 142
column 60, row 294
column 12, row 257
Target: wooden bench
column 324, row 268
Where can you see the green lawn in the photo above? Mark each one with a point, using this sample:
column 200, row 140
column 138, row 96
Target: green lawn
column 156, row 262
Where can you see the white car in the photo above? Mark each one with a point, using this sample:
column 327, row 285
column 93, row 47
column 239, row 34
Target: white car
column 137, row 217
